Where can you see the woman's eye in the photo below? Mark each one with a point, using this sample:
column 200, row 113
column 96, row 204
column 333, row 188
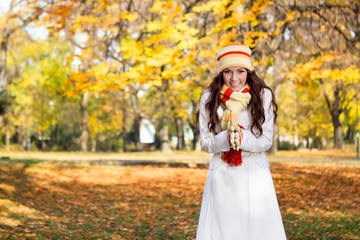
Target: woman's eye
column 226, row 71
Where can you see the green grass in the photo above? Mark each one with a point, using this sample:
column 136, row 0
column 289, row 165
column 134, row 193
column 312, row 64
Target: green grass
column 308, row 226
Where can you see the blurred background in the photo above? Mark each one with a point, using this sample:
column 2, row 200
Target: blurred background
column 89, row 87
column 120, row 76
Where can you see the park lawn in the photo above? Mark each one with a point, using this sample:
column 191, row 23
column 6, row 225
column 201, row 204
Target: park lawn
column 328, row 157
column 51, row 201
column 101, row 157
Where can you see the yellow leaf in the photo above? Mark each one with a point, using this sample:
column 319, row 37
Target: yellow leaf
column 290, row 16
column 157, row 6
column 130, row 16
column 154, row 26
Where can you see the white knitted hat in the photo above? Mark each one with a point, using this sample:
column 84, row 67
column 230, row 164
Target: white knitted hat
column 234, row 55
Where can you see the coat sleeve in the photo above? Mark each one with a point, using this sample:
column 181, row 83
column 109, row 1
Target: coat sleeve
column 250, row 142
column 209, row 142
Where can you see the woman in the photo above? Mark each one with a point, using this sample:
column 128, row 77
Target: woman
column 236, row 117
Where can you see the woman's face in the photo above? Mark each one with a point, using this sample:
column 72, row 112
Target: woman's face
column 235, row 77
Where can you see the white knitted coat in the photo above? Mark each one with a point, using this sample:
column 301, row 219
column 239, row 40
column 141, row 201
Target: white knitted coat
column 239, row 203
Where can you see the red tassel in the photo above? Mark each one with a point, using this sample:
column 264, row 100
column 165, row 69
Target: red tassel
column 232, row 157
column 236, row 160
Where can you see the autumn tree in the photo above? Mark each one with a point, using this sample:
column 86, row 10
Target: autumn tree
column 158, row 54
column 133, row 59
column 38, row 91
column 327, row 39
column 94, row 29
column 20, row 14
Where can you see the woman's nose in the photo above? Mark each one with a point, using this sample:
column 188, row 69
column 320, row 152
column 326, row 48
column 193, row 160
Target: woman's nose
column 233, row 76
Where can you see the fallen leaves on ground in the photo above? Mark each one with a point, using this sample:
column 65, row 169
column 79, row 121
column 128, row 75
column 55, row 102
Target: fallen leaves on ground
column 43, row 201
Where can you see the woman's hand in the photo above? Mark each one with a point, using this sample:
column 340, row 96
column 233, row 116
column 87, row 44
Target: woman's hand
column 235, row 136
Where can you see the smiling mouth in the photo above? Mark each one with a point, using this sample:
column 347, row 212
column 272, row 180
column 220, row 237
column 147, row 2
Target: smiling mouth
column 235, row 84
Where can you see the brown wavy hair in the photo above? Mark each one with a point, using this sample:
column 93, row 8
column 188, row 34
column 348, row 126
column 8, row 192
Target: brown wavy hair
column 257, row 86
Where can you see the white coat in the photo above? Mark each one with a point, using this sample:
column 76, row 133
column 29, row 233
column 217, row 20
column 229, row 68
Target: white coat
column 239, row 203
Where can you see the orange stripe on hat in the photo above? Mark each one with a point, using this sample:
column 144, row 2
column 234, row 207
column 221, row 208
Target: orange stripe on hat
column 234, row 55
column 234, row 52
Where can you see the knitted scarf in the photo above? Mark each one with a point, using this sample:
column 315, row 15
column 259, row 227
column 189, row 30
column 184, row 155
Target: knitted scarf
column 234, row 103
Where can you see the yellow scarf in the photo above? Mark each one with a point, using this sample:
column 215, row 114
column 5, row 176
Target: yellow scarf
column 234, row 103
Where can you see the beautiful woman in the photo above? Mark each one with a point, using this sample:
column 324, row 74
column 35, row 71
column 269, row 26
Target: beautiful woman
column 236, row 117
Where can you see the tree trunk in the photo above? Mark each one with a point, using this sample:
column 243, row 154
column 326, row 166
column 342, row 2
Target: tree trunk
column 180, row 134
column 7, row 132
column 307, row 142
column 196, row 141
column 124, row 106
column 137, row 120
column 42, row 119
column 85, row 119
column 93, row 145
column 278, row 78
column 124, row 134
column 164, row 129
column 7, row 137
column 43, row 143
column 136, row 126
column 195, row 126
column 3, row 70
column 110, row 143
column 335, row 111
column 335, row 114
column 24, row 143
column 274, row 147
column 1, row 125
column 350, row 134
column 338, row 134
column 56, row 134
column 164, row 135
column 197, row 146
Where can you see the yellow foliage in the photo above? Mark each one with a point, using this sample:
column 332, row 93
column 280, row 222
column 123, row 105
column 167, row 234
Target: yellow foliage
column 170, row 33
column 226, row 23
column 164, row 6
column 61, row 10
column 172, row 73
column 188, row 44
column 189, row 16
column 177, row 10
column 131, row 48
column 351, row 74
column 258, row 6
column 155, row 81
column 101, row 69
column 130, row 16
column 290, row 16
column 182, row 26
column 154, row 26
column 157, row 6
column 86, row 19
column 108, row 21
column 324, row 67
column 210, row 5
column 280, row 23
column 228, row 37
